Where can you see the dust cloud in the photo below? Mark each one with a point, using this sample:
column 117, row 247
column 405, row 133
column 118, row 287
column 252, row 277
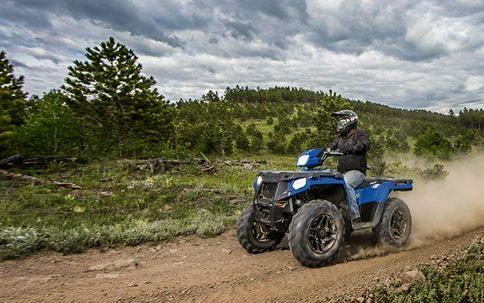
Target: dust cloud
column 440, row 209
column 447, row 208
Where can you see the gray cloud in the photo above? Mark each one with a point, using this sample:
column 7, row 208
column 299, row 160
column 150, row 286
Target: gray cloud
column 425, row 53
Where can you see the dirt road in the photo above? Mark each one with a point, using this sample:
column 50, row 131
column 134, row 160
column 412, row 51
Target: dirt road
column 209, row 270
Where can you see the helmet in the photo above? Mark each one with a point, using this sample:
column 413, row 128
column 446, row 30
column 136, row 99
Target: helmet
column 347, row 119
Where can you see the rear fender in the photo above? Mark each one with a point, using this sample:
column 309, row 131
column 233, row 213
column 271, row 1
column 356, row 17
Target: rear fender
column 379, row 192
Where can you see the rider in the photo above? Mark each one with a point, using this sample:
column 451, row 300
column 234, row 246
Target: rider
column 354, row 144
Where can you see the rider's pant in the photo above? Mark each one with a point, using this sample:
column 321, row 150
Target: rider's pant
column 353, row 178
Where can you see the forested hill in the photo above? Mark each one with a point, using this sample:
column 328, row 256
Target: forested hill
column 287, row 119
column 301, row 95
column 108, row 108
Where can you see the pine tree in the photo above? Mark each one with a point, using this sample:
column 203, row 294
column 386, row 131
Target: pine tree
column 323, row 119
column 109, row 92
column 12, row 101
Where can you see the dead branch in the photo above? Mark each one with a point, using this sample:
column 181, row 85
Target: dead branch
column 35, row 180
column 19, row 160
column 11, row 159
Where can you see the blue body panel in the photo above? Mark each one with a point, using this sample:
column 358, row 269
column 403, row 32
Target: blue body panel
column 376, row 192
column 314, row 159
column 379, row 191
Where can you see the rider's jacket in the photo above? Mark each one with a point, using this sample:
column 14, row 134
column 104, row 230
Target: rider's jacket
column 354, row 145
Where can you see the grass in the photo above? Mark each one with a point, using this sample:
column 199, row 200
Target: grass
column 461, row 281
column 120, row 204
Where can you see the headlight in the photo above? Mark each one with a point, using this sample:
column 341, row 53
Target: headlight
column 302, row 160
column 258, row 181
column 299, row 183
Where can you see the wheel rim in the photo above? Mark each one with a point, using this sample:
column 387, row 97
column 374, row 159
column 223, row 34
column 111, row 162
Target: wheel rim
column 261, row 232
column 398, row 224
column 322, row 233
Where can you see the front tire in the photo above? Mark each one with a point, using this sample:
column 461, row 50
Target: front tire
column 316, row 233
column 254, row 236
column 396, row 224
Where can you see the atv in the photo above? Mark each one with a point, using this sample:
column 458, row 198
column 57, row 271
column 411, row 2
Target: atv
column 310, row 205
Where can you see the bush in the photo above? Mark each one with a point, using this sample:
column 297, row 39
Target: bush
column 432, row 144
column 460, row 281
column 52, row 128
column 435, row 172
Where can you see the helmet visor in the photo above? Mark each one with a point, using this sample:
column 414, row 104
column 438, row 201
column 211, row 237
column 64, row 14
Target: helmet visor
column 342, row 122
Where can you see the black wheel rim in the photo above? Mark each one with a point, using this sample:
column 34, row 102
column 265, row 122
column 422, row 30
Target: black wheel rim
column 261, row 232
column 398, row 224
column 322, row 233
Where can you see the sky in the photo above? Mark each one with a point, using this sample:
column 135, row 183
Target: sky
column 411, row 54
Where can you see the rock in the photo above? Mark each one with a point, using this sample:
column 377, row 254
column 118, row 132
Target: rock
column 107, row 276
column 412, row 276
column 133, row 285
column 105, row 193
column 226, row 251
column 116, row 265
column 125, row 263
column 360, row 299
column 404, row 287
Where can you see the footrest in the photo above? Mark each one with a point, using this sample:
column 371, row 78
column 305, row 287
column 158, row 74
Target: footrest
column 362, row 225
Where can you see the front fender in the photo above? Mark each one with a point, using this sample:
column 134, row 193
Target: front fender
column 313, row 181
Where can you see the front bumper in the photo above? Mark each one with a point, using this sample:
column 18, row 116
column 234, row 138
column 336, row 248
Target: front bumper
column 272, row 198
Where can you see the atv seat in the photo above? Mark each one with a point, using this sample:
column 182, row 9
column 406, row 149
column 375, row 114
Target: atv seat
column 370, row 181
column 367, row 182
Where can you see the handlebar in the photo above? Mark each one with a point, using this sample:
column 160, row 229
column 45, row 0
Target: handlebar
column 333, row 153
column 330, row 153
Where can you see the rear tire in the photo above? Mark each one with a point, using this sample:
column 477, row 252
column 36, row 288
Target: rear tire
column 253, row 236
column 316, row 233
column 396, row 224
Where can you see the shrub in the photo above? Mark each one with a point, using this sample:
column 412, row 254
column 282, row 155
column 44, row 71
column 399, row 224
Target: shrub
column 52, row 128
column 432, row 144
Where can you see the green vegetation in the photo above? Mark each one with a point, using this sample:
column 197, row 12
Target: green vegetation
column 120, row 203
column 12, row 102
column 461, row 281
column 108, row 115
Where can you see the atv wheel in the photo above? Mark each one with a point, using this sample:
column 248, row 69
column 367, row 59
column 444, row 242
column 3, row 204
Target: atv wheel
column 316, row 233
column 396, row 224
column 254, row 236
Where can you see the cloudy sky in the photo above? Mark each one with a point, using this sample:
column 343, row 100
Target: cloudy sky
column 412, row 54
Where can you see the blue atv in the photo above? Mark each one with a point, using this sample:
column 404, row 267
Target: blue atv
column 310, row 205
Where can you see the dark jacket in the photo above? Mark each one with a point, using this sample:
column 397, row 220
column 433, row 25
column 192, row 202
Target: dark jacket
column 354, row 147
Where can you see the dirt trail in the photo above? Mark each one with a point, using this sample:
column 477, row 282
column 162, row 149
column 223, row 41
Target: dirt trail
column 208, row 270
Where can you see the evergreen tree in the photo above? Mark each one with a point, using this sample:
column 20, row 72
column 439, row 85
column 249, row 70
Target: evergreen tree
column 12, row 102
column 256, row 137
column 12, row 98
column 6, row 132
column 323, row 120
column 108, row 91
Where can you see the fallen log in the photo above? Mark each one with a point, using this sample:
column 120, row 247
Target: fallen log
column 16, row 176
column 19, row 160
column 11, row 159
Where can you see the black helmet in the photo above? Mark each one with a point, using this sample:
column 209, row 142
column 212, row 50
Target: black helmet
column 347, row 119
